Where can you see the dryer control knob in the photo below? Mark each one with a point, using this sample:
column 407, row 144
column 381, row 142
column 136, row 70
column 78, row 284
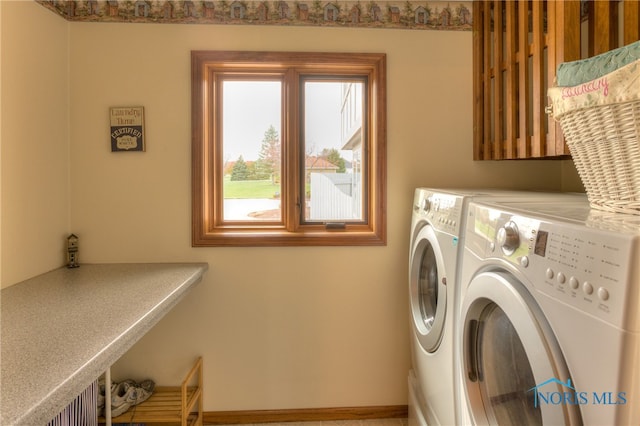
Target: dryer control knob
column 508, row 238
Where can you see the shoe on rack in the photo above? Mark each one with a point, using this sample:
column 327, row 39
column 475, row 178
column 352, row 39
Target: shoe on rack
column 145, row 389
column 101, row 396
column 129, row 393
column 122, row 398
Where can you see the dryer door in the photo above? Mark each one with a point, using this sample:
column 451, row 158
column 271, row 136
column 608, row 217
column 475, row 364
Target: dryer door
column 511, row 357
column 427, row 289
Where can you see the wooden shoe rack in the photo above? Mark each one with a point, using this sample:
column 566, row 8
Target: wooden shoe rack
column 170, row 404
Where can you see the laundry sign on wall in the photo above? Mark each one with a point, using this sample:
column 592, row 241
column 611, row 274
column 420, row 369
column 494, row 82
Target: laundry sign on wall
column 127, row 128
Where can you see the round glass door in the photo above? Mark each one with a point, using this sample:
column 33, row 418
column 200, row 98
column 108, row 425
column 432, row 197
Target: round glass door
column 498, row 347
column 509, row 350
column 427, row 289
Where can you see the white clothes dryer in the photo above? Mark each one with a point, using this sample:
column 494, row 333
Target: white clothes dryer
column 549, row 324
column 437, row 218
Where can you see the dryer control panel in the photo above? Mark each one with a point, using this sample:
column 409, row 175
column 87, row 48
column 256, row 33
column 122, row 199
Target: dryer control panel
column 588, row 269
column 442, row 210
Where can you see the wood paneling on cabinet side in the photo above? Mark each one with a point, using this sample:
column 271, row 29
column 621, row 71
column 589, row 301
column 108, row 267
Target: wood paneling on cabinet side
column 539, row 90
column 517, row 48
column 631, row 21
column 478, row 81
column 523, row 95
column 511, row 72
column 510, row 66
column 564, row 46
column 495, row 80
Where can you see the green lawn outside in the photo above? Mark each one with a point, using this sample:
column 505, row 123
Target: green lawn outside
column 250, row 189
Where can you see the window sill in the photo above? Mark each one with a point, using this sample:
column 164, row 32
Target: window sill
column 285, row 238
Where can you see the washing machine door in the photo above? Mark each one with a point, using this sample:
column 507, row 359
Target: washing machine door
column 427, row 289
column 510, row 355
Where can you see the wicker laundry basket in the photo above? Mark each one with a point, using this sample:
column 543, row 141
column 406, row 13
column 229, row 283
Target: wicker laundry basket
column 600, row 120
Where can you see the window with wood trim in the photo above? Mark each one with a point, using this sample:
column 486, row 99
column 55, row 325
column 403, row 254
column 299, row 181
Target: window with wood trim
column 288, row 148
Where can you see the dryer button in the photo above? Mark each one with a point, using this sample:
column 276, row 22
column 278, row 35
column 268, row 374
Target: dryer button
column 550, row 273
column 524, row 261
column 587, row 287
column 561, row 278
column 574, row 283
column 603, row 293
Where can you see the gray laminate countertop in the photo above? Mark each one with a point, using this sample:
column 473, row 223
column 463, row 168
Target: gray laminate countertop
column 61, row 330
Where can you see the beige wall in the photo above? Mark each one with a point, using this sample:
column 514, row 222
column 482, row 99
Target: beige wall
column 35, row 140
column 570, row 178
column 1, row 102
column 278, row 327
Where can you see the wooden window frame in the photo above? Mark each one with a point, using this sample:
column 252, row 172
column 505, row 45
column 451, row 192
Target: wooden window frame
column 208, row 228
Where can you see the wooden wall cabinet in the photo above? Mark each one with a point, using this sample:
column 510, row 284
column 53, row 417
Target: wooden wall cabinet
column 517, row 46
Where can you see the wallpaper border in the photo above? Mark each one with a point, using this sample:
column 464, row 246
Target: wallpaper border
column 423, row 15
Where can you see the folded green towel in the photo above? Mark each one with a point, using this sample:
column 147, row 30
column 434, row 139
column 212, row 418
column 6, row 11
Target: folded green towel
column 578, row 72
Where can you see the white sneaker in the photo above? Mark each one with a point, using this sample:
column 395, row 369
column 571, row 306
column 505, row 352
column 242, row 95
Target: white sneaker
column 129, row 393
column 146, row 388
column 101, row 396
column 122, row 398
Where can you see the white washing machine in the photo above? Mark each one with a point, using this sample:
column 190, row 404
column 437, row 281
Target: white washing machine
column 549, row 315
column 433, row 257
column 438, row 216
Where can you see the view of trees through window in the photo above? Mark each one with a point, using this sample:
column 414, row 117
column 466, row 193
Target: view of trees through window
column 266, row 167
column 252, row 150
